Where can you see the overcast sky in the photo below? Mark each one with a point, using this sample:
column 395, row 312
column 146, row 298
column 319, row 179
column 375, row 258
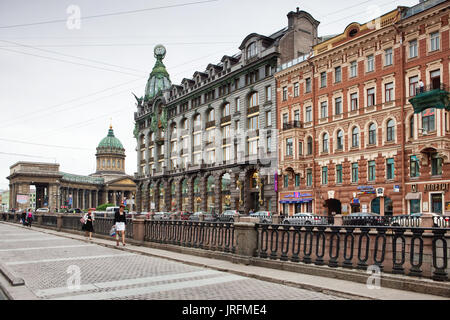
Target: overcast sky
column 60, row 84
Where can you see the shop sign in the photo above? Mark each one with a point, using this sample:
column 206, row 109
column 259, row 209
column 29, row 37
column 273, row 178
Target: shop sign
column 436, row 187
column 425, row 206
column 22, row 198
column 366, row 190
column 396, row 188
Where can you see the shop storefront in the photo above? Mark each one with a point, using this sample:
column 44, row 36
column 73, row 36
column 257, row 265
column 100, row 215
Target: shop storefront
column 429, row 197
column 296, row 202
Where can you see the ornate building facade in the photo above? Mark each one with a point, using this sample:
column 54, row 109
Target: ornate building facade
column 56, row 189
column 210, row 144
column 358, row 130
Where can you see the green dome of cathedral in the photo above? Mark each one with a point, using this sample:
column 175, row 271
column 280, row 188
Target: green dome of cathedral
column 110, row 142
column 159, row 79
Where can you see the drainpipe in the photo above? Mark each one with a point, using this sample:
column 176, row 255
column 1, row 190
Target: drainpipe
column 402, row 101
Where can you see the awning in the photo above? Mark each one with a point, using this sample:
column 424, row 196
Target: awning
column 412, row 196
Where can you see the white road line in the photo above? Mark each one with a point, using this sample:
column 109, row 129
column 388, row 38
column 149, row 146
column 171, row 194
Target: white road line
column 126, row 282
column 153, row 289
column 43, row 248
column 14, row 263
column 30, row 239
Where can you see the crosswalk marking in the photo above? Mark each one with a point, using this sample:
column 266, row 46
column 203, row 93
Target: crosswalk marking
column 45, row 248
column 152, row 289
column 14, row 263
column 125, row 282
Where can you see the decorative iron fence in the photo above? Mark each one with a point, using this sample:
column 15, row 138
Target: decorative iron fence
column 400, row 250
column 103, row 225
column 205, row 235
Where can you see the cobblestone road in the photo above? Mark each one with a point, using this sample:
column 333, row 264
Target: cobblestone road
column 49, row 266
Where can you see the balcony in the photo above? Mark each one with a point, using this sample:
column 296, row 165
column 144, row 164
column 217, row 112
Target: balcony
column 292, row 125
column 431, row 96
column 225, row 119
column 210, row 124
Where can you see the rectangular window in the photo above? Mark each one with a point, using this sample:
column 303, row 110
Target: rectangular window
column 370, row 97
column 323, row 79
column 268, row 93
column 226, row 132
column 309, row 177
column 414, row 167
column 285, row 119
column 226, row 153
column 297, row 180
column 339, row 173
column 354, row 101
column 308, row 114
column 390, row 168
column 238, row 104
column 389, row 91
column 388, row 57
column 252, row 147
column 269, row 144
column 413, row 49
column 428, row 120
column 296, row 89
column 371, row 167
column 436, row 165
column 337, row 74
column 198, row 139
column 308, row 85
column 211, row 157
column 338, row 105
column 434, row 41
column 285, row 93
column 353, row 69
column 355, row 172
column 286, row 181
column 300, row 148
column 253, row 123
column 413, row 84
column 370, row 63
column 268, row 118
column 289, row 147
column 414, row 206
column 324, row 175
column 297, row 116
column 324, row 110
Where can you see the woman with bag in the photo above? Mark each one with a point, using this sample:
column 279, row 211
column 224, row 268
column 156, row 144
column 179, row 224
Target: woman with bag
column 120, row 221
column 29, row 217
column 88, row 225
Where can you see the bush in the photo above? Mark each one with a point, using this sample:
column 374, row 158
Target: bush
column 103, row 207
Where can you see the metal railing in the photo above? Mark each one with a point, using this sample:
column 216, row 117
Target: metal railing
column 204, row 235
column 399, row 250
column 71, row 222
column 292, row 125
column 103, row 225
column 431, row 87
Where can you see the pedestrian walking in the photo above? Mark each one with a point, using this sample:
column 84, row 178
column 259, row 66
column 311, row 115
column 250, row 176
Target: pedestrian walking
column 120, row 220
column 30, row 217
column 23, row 217
column 88, row 225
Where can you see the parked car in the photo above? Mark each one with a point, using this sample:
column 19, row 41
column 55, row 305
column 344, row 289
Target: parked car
column 264, row 216
column 162, row 216
column 365, row 219
column 42, row 210
column 305, row 219
column 184, row 215
column 414, row 220
column 209, row 217
column 228, row 215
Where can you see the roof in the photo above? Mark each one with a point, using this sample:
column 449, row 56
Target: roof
column 110, row 142
column 81, row 179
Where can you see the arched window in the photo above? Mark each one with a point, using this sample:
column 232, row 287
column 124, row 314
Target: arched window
column 340, row 140
column 252, row 50
column 173, row 131
column 226, row 110
column 372, row 134
column 390, row 131
column 411, row 127
column 184, row 124
column 309, row 145
column 253, row 100
column 355, row 137
column 325, row 142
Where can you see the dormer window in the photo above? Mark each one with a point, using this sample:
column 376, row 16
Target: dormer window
column 353, row 32
column 252, row 50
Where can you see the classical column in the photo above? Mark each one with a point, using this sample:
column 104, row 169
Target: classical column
column 245, row 192
column 156, row 196
column 203, row 193
column 179, row 195
column 218, row 193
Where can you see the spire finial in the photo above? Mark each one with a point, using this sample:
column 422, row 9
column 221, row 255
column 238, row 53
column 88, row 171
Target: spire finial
column 110, row 122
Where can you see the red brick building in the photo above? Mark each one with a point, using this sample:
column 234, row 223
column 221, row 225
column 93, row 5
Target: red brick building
column 350, row 139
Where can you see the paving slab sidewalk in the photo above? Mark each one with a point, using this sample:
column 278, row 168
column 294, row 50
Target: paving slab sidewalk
column 347, row 289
